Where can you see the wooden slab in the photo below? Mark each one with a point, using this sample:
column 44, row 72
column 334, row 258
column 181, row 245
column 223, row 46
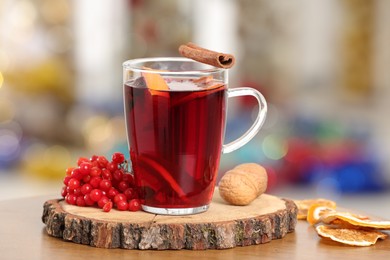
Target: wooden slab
column 222, row 226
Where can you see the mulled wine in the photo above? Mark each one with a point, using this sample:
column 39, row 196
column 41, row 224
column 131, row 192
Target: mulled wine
column 175, row 139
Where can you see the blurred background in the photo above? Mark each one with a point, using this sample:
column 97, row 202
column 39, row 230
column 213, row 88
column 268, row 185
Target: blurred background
column 322, row 65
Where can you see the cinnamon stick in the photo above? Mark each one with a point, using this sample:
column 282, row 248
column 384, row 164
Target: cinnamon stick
column 216, row 59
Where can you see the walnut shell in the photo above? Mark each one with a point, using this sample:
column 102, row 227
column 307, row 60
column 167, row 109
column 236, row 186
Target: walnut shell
column 243, row 184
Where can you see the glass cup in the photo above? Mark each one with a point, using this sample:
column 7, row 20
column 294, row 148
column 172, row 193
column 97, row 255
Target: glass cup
column 175, row 110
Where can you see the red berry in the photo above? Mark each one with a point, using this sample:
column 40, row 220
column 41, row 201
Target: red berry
column 95, row 195
column 81, row 160
column 88, row 200
column 106, row 174
column 105, row 185
column 71, row 199
column 73, row 183
column 118, row 175
column 93, row 158
column 66, row 180
column 134, row 205
column 85, row 168
column 112, row 166
column 69, row 171
column 122, row 205
column 128, row 178
column 64, row 192
column 102, row 161
column 112, row 192
column 95, row 172
column 118, row 157
column 119, row 197
column 129, row 193
column 107, row 207
column 103, row 200
column 69, row 190
column 122, row 186
column 80, row 201
column 95, row 182
column 86, row 188
column 76, row 174
column 95, row 164
column 77, row 191
column 86, row 178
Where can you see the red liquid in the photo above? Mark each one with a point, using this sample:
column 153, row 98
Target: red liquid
column 175, row 143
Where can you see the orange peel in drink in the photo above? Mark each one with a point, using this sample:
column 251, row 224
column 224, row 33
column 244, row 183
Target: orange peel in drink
column 203, row 80
column 155, row 81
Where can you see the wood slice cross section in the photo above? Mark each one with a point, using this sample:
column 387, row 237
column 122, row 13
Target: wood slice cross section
column 222, row 226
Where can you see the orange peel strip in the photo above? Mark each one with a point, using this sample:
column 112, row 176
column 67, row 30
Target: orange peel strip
column 156, row 84
column 203, row 80
column 155, row 81
column 353, row 237
column 218, row 85
column 197, row 94
column 165, row 175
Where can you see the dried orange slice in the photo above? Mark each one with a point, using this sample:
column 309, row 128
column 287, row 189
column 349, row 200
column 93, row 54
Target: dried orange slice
column 316, row 211
column 348, row 219
column 304, row 205
column 354, row 237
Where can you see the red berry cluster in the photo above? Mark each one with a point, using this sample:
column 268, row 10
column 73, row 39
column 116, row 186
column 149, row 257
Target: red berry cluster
column 100, row 182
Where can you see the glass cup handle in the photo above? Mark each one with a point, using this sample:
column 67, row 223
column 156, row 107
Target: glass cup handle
column 254, row 129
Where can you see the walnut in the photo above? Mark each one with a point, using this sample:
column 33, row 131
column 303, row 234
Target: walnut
column 243, row 184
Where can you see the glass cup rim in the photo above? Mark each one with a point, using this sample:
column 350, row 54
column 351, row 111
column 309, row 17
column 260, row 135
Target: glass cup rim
column 134, row 65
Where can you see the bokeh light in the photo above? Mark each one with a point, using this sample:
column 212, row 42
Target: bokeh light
column 48, row 162
column 10, row 142
column 21, row 18
column 274, row 147
column 98, row 133
column 9, row 146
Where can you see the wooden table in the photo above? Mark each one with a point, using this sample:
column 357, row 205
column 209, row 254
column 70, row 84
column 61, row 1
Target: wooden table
column 22, row 236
